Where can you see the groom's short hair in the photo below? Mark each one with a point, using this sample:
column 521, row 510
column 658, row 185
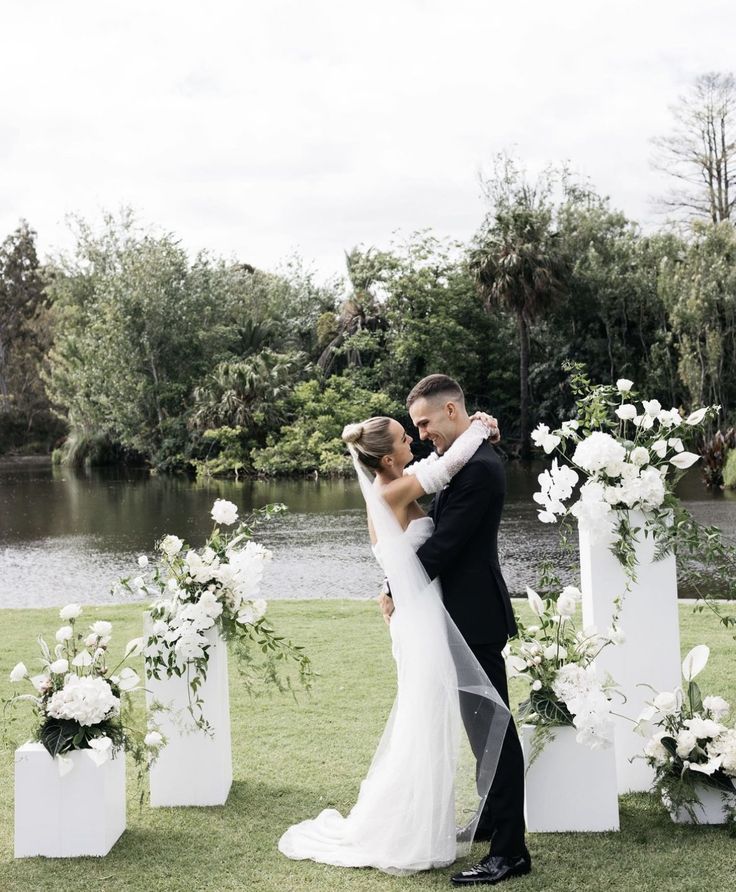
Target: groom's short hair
column 434, row 386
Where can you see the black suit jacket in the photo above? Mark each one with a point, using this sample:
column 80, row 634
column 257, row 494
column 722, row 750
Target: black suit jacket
column 463, row 550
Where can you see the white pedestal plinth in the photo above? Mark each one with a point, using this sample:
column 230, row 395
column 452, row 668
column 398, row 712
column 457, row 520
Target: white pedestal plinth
column 82, row 813
column 709, row 810
column 193, row 768
column 569, row 787
column 651, row 652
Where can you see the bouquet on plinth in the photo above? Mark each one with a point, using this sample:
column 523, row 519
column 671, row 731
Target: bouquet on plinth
column 214, row 587
column 629, row 454
column 690, row 741
column 556, row 659
column 83, row 703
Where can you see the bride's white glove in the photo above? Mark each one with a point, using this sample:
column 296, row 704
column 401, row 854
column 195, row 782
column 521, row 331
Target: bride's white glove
column 435, row 472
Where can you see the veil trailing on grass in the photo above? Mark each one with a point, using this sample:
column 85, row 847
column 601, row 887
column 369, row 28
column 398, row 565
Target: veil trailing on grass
column 420, row 802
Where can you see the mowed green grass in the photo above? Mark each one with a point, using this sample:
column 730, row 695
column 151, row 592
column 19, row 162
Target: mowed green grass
column 291, row 759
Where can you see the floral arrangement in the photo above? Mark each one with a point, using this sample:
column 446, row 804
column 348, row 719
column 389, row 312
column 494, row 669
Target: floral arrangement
column 556, row 659
column 629, row 452
column 81, row 702
column 689, row 741
column 215, row 587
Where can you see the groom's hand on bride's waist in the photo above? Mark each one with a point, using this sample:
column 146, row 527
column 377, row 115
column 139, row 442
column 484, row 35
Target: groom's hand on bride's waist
column 386, row 602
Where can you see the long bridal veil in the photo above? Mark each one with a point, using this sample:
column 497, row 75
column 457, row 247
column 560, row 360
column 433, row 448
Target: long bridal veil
column 448, row 722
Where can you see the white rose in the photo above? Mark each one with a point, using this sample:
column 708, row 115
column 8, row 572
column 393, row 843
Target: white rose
column 666, row 703
column 18, row 672
column 59, row 667
column 639, row 456
column 153, row 739
column 64, row 634
column 717, row 707
column 142, row 561
column 572, row 591
column 224, row 512
column 536, row 685
column 623, row 385
column 565, row 606
column 686, row 743
column 626, row 412
column 171, row 545
column 71, row 611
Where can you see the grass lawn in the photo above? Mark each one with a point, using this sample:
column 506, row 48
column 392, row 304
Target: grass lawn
column 293, row 759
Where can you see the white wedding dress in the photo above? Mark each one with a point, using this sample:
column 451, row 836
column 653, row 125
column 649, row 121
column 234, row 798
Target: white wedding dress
column 421, row 799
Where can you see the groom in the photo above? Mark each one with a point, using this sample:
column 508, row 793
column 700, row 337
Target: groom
column 463, row 552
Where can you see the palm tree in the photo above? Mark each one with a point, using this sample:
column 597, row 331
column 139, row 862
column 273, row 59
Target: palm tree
column 518, row 264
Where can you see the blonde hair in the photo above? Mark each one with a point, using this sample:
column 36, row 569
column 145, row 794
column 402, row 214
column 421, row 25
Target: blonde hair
column 371, row 439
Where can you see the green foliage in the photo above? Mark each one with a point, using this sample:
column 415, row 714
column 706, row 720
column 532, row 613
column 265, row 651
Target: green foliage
column 312, row 442
column 729, row 470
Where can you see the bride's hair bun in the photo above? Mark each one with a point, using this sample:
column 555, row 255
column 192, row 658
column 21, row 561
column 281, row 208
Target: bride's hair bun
column 352, row 433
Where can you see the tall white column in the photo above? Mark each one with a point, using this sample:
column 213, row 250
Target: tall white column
column 194, row 768
column 650, row 654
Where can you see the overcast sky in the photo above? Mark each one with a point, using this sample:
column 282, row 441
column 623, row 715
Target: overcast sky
column 257, row 129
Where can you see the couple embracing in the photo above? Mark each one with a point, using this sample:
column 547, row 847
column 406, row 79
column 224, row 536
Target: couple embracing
column 449, row 616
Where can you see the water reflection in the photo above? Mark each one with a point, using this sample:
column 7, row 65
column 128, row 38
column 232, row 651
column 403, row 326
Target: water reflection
column 68, row 535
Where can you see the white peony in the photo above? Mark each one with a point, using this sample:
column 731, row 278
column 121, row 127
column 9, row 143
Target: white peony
column 59, row 667
column 704, row 729
column 88, row 700
column 626, row 412
column 18, row 672
column 624, row 385
column 101, row 629
column 224, row 512
column 65, row 633
column 655, row 750
column 71, row 611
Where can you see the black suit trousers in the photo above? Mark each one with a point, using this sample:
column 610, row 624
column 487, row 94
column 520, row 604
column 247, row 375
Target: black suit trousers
column 503, row 816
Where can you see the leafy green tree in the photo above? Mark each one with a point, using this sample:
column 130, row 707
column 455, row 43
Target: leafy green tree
column 25, row 411
column 519, row 264
column 312, row 441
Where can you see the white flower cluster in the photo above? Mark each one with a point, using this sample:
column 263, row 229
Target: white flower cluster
column 88, row 700
column 76, row 686
column 200, row 589
column 623, row 470
column 701, row 741
column 557, row 660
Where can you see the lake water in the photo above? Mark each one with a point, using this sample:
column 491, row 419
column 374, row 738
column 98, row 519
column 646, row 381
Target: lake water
column 69, row 535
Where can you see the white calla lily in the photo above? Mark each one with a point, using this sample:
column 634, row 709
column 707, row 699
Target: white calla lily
column 535, row 602
column 684, row 460
column 695, row 661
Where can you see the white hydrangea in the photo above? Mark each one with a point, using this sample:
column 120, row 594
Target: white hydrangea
column 599, row 452
column 87, row 700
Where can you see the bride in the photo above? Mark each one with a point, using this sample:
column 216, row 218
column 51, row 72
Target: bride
column 419, row 804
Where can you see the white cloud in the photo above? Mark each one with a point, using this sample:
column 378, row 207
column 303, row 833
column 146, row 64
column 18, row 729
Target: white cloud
column 258, row 127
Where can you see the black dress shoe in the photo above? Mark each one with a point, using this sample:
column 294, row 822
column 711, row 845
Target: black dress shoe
column 493, row 869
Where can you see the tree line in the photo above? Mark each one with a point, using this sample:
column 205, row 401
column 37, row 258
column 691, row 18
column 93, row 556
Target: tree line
column 127, row 349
